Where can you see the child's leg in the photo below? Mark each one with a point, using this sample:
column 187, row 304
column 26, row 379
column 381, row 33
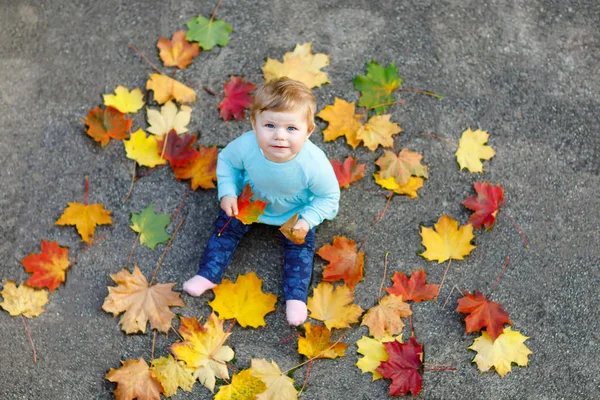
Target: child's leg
column 217, row 254
column 297, row 274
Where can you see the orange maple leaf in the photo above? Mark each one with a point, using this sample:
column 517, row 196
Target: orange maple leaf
column 135, row 380
column 345, row 262
column 249, row 210
column 378, row 131
column 177, row 52
column 413, row 289
column 401, row 167
column 288, row 231
column 48, row 267
column 384, row 318
column 483, row 314
column 85, row 217
column 316, row 343
column 347, row 172
column 202, row 169
column 166, row 88
column 107, row 124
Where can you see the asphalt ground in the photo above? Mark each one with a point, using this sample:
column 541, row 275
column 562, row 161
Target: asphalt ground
column 525, row 71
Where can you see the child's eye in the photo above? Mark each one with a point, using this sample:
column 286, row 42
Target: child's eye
column 291, row 128
column 270, row 126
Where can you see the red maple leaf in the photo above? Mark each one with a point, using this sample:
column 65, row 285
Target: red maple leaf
column 202, row 169
column 414, row 289
column 348, row 172
column 48, row 267
column 486, row 204
column 345, row 262
column 107, row 124
column 178, row 149
column 249, row 210
column 483, row 313
column 403, row 367
column 237, row 98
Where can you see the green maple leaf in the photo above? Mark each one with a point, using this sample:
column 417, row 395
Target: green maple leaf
column 150, row 226
column 208, row 33
column 377, row 85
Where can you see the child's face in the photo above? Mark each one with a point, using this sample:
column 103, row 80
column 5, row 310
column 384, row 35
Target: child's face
column 281, row 134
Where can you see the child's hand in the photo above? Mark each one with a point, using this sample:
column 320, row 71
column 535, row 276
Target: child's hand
column 229, row 205
column 300, row 229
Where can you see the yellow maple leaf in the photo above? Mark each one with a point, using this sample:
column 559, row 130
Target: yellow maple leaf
column 85, row 217
column 342, row 122
column 23, row 300
column 374, row 354
column 384, row 318
column 232, row 300
column 166, row 88
column 124, row 100
column 471, row 149
column 378, row 131
column 316, row 343
column 279, row 385
column 300, row 65
column 500, row 353
column 140, row 302
column 161, row 122
column 410, row 189
column 244, row 386
column 144, row 150
column 203, row 349
column 402, row 166
column 332, row 306
column 173, row 374
column 135, row 380
column 447, row 241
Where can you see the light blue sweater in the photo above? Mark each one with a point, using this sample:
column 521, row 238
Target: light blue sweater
column 306, row 184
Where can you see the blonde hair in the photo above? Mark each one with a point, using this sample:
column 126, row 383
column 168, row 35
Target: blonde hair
column 284, row 94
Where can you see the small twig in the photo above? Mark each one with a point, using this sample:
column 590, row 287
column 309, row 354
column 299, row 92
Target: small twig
column 165, row 250
column 182, row 201
column 178, row 334
column 30, row 340
column 215, row 12
column 375, row 221
column 153, row 341
column 289, row 338
column 224, row 226
column 499, row 276
column 87, row 190
column 148, row 172
column 444, row 278
column 440, row 138
column 448, row 298
column 385, row 265
column 123, row 163
column 145, row 59
column 132, row 182
column 441, row 369
column 209, row 91
column 306, row 378
column 132, row 249
column 386, row 104
column 436, row 365
column 315, row 357
column 517, row 227
column 420, row 91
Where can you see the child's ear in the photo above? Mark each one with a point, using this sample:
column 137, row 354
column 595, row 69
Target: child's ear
column 310, row 132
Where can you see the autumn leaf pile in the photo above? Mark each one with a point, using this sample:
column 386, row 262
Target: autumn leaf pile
column 200, row 352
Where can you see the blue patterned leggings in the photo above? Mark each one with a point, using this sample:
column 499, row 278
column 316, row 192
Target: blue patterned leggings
column 298, row 258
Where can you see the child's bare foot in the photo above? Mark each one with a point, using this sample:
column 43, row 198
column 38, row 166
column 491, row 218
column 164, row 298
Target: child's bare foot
column 296, row 312
column 197, row 285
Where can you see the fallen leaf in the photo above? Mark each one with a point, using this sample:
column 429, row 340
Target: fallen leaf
column 410, row 189
column 168, row 118
column 144, row 150
column 486, row 204
column 403, row 367
column 243, row 386
column 232, row 300
column 347, row 172
column 85, row 217
column 345, row 261
column 483, row 314
column 374, row 353
column 472, row 149
column 23, row 300
column 448, row 241
column 249, row 210
column 151, row 226
column 135, row 380
column 178, row 151
column 413, row 289
column 300, row 65
column 48, row 267
column 141, row 302
column 287, row 229
column 343, row 121
column 401, row 167
column 376, row 86
column 333, row 306
column 203, row 349
column 124, row 100
column 208, row 33
column 173, row 374
column 384, row 318
column 166, row 89
column 378, row 131
column 237, row 98
column 202, row 169
column 508, row 348
column 107, row 124
column 316, row 343
column 279, row 386
column 177, row 52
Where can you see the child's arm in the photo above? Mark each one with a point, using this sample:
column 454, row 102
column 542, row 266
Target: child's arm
column 229, row 170
column 326, row 190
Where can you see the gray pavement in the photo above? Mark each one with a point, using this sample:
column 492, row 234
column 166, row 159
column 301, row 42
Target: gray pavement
column 526, row 71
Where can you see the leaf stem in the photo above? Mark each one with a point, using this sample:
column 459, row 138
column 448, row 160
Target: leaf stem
column 132, row 182
column 132, row 249
column 215, row 12
column 225, row 226
column 444, row 277
column 517, row 227
column 182, row 201
column 500, row 276
column 165, row 250
column 425, row 92
column 385, row 265
column 448, row 298
column 30, row 339
column 315, row 357
column 87, row 190
column 306, row 378
column 223, row 339
column 209, row 91
column 440, row 138
column 379, row 216
column 153, row 342
column 145, row 59
column 386, row 104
